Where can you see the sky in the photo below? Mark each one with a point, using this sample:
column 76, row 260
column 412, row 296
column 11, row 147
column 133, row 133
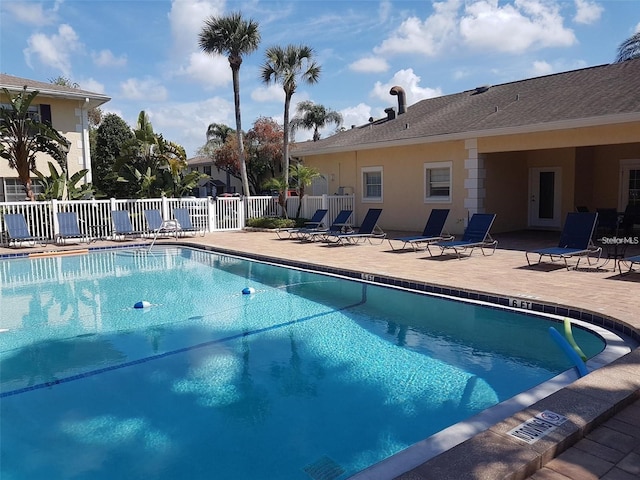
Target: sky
column 144, row 54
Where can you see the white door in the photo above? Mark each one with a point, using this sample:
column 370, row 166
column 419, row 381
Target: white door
column 629, row 183
column 545, row 197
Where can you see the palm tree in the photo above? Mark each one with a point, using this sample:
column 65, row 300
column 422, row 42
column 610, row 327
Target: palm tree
column 23, row 135
column 232, row 36
column 313, row 116
column 629, row 49
column 303, row 176
column 287, row 66
column 217, row 133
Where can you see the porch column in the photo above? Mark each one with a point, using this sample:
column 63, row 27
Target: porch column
column 474, row 178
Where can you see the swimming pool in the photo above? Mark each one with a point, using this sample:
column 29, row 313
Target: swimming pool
column 312, row 376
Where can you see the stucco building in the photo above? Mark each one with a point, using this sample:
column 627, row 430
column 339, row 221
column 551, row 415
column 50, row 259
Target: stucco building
column 529, row 151
column 66, row 109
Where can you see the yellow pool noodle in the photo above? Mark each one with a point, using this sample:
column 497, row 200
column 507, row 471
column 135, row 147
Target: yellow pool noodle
column 569, row 334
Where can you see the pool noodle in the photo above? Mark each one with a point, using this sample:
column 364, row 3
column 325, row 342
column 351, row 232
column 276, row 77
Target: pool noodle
column 568, row 349
column 569, row 334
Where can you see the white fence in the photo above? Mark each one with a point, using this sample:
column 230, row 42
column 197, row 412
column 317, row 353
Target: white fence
column 207, row 214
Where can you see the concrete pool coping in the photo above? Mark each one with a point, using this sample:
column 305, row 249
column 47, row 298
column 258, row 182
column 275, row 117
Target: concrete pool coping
column 598, row 297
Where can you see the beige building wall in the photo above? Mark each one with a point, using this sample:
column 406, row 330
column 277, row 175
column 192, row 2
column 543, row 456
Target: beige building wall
column 68, row 117
column 490, row 174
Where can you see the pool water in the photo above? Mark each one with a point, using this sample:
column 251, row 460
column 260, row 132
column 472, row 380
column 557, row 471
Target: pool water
column 311, row 376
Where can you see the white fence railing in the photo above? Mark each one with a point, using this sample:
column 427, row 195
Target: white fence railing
column 207, row 214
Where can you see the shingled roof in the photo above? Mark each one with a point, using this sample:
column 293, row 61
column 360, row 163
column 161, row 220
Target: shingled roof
column 599, row 95
column 15, row 84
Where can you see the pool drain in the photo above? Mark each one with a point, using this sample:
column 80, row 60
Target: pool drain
column 324, row 469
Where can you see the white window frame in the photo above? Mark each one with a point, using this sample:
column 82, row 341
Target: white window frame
column 363, row 174
column 428, row 166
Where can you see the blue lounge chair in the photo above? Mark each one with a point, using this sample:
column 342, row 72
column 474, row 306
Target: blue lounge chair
column 432, row 231
column 340, row 224
column 630, row 261
column 122, row 227
column 18, row 231
column 575, row 240
column 68, row 228
column 476, row 235
column 157, row 226
column 184, row 220
column 367, row 231
column 315, row 223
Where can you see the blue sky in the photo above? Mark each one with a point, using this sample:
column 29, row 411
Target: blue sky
column 144, row 54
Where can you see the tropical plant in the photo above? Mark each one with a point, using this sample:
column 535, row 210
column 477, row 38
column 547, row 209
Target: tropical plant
column 235, row 37
column 23, row 135
column 217, row 133
column 629, row 49
column 303, row 177
column 281, row 185
column 287, row 66
column 153, row 166
column 56, row 186
column 311, row 116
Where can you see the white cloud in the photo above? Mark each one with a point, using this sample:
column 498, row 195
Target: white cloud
column 271, row 93
column 148, row 89
column 208, row 70
column 91, row 85
column 370, row 65
column 187, row 19
column 587, row 11
column 514, row 28
column 105, row 58
column 355, row 116
column 541, row 68
column 637, row 29
column 54, row 51
column 186, row 123
column 32, row 13
column 426, row 37
column 409, row 81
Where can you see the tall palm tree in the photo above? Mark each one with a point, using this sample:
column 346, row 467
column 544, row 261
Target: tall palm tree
column 287, row 66
column 629, row 49
column 312, row 116
column 235, row 37
column 23, row 135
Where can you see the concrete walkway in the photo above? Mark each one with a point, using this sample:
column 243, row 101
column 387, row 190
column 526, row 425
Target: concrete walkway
column 600, row 439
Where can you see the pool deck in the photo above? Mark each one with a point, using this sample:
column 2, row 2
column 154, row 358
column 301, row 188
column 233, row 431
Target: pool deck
column 600, row 439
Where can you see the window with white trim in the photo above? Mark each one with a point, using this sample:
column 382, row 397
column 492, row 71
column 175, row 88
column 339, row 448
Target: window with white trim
column 372, row 184
column 14, row 190
column 437, row 182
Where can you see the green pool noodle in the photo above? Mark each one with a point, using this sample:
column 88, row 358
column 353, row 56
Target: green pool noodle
column 569, row 334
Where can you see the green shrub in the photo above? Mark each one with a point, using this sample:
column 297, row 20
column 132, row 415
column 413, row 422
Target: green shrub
column 271, row 222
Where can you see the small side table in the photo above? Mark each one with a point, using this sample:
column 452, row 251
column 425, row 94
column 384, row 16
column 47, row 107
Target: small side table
column 98, row 232
column 612, row 250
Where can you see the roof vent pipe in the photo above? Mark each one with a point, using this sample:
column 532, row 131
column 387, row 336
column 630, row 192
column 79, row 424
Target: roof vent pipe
column 402, row 100
column 391, row 113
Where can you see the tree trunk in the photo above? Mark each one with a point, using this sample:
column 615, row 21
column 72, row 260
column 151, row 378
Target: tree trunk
column 235, row 71
column 285, row 149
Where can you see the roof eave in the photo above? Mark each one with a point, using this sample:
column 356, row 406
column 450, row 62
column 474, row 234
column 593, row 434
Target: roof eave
column 494, row 132
column 95, row 99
